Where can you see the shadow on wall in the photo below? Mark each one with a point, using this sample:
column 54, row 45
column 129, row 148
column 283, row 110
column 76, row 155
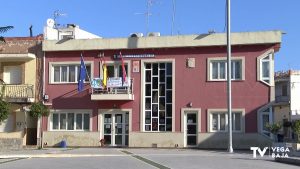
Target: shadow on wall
column 72, row 99
column 240, row 140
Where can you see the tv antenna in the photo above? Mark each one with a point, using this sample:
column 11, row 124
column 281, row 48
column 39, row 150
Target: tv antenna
column 148, row 13
column 56, row 15
column 173, row 15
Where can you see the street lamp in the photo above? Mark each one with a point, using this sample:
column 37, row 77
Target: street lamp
column 230, row 149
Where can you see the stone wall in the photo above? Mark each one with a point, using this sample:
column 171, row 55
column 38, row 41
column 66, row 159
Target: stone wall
column 11, row 144
column 73, row 139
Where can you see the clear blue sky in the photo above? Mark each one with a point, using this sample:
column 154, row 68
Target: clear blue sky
column 118, row 18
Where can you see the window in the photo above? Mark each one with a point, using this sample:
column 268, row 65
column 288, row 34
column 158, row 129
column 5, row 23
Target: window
column 68, row 73
column 265, row 119
column 157, row 97
column 115, row 69
column 284, row 90
column 218, row 69
column 70, row 121
column 219, row 121
column 266, row 66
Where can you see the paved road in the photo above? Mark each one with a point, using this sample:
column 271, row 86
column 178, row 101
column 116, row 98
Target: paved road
column 138, row 159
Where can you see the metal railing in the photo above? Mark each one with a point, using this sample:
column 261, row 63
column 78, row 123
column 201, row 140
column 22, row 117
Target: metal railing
column 282, row 99
column 17, row 91
column 128, row 89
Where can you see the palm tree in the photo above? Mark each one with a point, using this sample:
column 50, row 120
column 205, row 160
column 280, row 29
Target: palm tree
column 3, row 30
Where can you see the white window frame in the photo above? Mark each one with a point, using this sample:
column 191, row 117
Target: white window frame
column 53, row 64
column 142, row 117
column 210, row 62
column 260, row 61
column 116, row 65
column 66, row 111
column 210, row 113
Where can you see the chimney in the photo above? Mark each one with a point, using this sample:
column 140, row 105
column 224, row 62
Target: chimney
column 30, row 30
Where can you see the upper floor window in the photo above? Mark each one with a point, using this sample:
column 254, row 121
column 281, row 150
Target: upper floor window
column 116, row 70
column 217, row 68
column 266, row 65
column 68, row 73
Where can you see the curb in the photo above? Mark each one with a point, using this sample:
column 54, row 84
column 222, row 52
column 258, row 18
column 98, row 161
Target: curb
column 291, row 160
column 59, row 155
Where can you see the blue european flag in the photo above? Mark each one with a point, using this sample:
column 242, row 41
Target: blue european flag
column 82, row 75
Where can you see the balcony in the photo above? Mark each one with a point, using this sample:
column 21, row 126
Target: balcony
column 282, row 99
column 17, row 93
column 115, row 89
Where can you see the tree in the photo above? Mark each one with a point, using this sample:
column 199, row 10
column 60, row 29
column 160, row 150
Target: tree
column 4, row 106
column 4, row 110
column 38, row 109
column 296, row 128
column 3, row 30
column 274, row 129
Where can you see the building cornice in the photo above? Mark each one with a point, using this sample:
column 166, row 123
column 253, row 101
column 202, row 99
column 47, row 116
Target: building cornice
column 202, row 40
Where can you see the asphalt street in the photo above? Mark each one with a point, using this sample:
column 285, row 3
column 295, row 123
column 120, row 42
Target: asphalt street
column 113, row 158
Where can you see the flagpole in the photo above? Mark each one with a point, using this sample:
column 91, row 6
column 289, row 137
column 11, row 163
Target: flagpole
column 229, row 104
column 87, row 73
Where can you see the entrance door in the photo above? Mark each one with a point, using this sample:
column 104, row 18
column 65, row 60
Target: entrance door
column 12, row 75
column 191, row 128
column 116, row 128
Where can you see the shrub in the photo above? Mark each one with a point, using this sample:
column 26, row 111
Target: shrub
column 38, row 109
column 4, row 110
column 273, row 128
column 296, row 128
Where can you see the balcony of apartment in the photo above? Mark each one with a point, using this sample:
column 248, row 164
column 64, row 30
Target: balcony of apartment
column 115, row 89
column 18, row 77
column 282, row 99
column 23, row 93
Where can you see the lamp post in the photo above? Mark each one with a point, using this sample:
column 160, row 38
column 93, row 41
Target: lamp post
column 230, row 149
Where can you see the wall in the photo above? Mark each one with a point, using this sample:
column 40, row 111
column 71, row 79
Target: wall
column 205, row 140
column 191, row 84
column 295, row 97
column 73, row 139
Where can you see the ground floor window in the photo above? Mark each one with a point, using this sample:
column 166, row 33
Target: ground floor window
column 265, row 119
column 70, row 121
column 219, row 121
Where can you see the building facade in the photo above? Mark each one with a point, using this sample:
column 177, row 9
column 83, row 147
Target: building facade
column 160, row 91
column 286, row 105
column 20, row 74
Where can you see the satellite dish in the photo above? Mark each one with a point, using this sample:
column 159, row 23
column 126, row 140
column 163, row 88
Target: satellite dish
column 50, row 23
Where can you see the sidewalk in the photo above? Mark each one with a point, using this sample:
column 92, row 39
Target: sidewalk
column 61, row 152
column 293, row 159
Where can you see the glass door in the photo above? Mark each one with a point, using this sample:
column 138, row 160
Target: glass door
column 107, row 129
column 116, row 129
column 191, row 128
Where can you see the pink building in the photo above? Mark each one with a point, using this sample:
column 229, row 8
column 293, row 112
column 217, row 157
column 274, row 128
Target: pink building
column 174, row 94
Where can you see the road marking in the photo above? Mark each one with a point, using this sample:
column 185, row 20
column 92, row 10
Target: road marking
column 12, row 160
column 145, row 160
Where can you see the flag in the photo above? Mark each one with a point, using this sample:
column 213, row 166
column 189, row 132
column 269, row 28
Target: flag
column 82, row 75
column 123, row 68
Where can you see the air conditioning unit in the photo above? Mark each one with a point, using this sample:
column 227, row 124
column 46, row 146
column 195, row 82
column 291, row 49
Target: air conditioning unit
column 137, row 35
column 153, row 34
column 67, row 36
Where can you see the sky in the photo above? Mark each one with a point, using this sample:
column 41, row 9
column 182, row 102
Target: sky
column 120, row 18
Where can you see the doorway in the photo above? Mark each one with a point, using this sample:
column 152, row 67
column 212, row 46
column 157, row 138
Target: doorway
column 116, row 128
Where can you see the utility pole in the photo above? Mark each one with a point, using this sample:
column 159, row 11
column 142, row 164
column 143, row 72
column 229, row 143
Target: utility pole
column 230, row 149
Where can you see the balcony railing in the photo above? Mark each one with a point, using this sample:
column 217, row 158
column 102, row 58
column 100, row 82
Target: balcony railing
column 280, row 99
column 116, row 89
column 17, row 93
